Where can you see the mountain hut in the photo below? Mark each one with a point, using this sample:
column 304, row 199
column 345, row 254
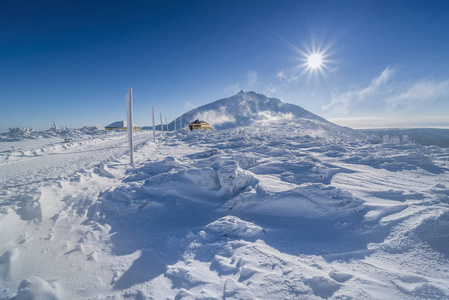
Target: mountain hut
column 199, row 125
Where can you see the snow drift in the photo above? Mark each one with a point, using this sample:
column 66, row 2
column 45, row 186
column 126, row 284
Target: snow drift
column 286, row 211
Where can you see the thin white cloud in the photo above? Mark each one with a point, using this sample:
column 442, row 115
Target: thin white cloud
column 232, row 89
column 419, row 92
column 271, row 90
column 286, row 78
column 281, row 75
column 189, row 105
column 252, row 79
column 341, row 103
column 384, row 95
column 251, row 83
column 377, row 83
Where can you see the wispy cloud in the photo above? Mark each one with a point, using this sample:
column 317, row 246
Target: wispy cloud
column 252, row 79
column 284, row 77
column 189, row 105
column 417, row 93
column 342, row 103
column 281, row 75
column 251, row 83
column 385, row 95
column 377, row 83
column 232, row 89
column 272, row 89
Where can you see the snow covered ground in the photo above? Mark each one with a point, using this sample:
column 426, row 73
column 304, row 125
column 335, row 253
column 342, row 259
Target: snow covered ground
column 254, row 212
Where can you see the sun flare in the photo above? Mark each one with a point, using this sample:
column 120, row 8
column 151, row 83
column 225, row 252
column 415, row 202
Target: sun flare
column 315, row 60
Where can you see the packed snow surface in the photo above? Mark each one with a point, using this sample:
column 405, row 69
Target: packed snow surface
column 265, row 211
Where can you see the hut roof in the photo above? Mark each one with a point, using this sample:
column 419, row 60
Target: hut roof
column 198, row 121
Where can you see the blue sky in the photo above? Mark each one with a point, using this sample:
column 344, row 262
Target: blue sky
column 386, row 62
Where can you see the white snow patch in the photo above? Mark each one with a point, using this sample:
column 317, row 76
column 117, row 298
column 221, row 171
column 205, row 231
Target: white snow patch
column 234, row 227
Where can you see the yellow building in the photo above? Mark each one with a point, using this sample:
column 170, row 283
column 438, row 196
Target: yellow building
column 120, row 125
column 199, row 125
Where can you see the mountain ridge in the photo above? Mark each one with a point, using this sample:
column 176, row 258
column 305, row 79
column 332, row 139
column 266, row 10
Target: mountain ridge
column 246, row 108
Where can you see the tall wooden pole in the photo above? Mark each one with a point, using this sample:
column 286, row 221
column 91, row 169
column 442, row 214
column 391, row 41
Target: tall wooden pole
column 129, row 113
column 154, row 128
column 162, row 125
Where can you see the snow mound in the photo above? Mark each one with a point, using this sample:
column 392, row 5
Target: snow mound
column 205, row 178
column 231, row 226
column 232, row 178
column 306, row 201
column 434, row 232
column 35, row 288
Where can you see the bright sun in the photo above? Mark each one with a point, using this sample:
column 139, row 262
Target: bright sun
column 315, row 60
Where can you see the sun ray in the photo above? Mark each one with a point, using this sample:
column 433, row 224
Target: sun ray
column 314, row 60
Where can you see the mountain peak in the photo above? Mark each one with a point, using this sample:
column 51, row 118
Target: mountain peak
column 246, row 108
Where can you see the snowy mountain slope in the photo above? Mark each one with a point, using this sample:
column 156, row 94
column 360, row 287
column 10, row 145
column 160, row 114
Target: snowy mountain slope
column 254, row 212
column 244, row 108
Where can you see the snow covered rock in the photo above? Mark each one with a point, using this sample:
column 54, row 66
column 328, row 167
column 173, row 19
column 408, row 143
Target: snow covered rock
column 234, row 227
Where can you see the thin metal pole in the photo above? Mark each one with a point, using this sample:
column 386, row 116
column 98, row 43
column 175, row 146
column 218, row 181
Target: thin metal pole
column 154, row 128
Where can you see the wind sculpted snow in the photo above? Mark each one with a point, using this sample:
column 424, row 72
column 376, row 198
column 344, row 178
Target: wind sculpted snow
column 256, row 212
